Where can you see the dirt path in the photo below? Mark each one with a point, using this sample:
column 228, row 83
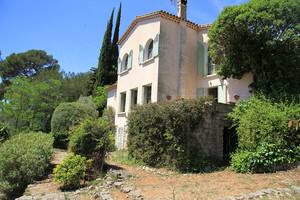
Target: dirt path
column 159, row 183
column 48, row 185
column 163, row 184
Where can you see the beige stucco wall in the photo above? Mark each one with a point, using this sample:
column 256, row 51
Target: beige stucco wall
column 191, row 64
column 234, row 86
column 239, row 87
column 112, row 98
column 140, row 74
column 168, row 63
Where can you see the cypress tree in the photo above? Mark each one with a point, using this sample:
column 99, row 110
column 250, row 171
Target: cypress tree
column 115, row 49
column 105, row 57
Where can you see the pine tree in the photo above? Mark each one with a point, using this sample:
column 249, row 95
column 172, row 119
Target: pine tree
column 105, row 57
column 115, row 50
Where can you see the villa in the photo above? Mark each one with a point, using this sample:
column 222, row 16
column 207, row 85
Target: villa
column 164, row 57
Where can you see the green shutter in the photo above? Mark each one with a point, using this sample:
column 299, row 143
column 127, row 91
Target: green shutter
column 200, row 59
column 155, row 45
column 130, row 59
column 222, row 94
column 119, row 65
column 141, row 54
column 200, row 92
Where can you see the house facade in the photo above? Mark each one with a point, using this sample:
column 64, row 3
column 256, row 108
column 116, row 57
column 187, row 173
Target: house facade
column 164, row 57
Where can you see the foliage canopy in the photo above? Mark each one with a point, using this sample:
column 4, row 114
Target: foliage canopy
column 29, row 104
column 28, row 64
column 262, row 38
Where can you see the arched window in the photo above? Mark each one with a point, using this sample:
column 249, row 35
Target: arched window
column 148, row 53
column 150, row 49
column 125, row 62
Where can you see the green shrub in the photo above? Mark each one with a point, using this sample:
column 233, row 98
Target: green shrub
column 264, row 139
column 91, row 139
column 260, row 119
column 71, row 171
column 100, row 98
column 266, row 158
column 23, row 158
column 157, row 132
column 110, row 114
column 65, row 116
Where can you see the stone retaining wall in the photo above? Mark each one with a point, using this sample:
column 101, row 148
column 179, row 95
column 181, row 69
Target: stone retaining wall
column 208, row 137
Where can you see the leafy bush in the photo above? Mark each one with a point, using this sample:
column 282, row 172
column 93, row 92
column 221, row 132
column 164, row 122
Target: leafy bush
column 109, row 113
column 4, row 132
column 157, row 132
column 23, row 158
column 264, row 139
column 262, row 120
column 65, row 116
column 71, row 170
column 265, row 159
column 100, row 98
column 91, row 139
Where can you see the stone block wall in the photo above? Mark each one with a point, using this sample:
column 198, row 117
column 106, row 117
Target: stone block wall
column 208, row 137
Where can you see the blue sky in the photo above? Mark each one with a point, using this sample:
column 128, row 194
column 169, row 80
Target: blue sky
column 72, row 30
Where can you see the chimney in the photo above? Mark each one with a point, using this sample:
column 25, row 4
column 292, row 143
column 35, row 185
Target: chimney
column 181, row 8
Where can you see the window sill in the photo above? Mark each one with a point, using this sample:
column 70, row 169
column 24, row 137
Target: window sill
column 123, row 72
column 122, row 113
column 147, row 61
column 210, row 76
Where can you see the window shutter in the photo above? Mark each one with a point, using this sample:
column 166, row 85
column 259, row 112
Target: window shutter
column 130, row 59
column 200, row 92
column 222, row 94
column 141, row 54
column 119, row 65
column 200, row 59
column 155, row 45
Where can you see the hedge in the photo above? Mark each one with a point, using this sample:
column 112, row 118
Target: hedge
column 157, row 133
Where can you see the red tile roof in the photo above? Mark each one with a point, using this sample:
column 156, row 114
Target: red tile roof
column 114, row 86
column 164, row 15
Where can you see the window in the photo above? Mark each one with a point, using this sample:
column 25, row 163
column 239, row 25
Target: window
column 134, row 94
column 205, row 66
column 122, row 101
column 148, row 53
column 210, row 66
column 125, row 62
column 150, row 49
column 147, row 94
